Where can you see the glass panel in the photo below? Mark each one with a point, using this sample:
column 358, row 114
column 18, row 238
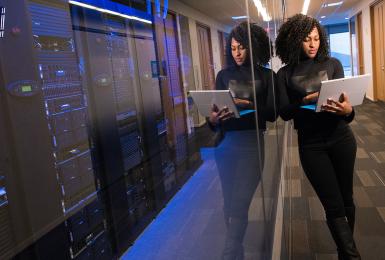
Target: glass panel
column 107, row 154
column 270, row 17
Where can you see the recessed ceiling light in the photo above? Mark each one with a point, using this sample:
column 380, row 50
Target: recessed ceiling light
column 262, row 11
column 239, row 17
column 323, row 16
column 332, row 4
column 305, row 6
column 346, row 18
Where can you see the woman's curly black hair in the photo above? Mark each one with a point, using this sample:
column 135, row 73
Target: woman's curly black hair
column 291, row 35
column 259, row 40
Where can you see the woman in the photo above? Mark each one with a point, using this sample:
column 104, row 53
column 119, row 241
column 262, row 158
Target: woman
column 327, row 146
column 240, row 155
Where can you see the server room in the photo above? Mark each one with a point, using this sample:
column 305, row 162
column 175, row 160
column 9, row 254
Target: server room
column 106, row 152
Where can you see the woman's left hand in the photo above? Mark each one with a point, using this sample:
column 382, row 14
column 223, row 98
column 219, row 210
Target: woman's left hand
column 341, row 107
column 243, row 103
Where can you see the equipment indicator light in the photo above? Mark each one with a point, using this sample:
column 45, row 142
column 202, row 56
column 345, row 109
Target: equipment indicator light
column 26, row 88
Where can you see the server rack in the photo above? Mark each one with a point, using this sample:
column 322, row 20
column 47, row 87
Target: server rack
column 110, row 153
column 6, row 236
column 54, row 194
column 64, row 102
column 111, row 80
column 27, row 156
column 66, row 109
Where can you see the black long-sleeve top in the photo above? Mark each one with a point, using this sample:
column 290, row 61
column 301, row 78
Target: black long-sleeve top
column 295, row 82
column 264, row 93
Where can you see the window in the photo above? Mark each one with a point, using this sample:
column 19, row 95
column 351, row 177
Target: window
column 340, row 49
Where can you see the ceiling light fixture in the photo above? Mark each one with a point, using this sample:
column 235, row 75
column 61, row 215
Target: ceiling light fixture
column 322, row 17
column 102, row 10
column 305, row 7
column 239, row 17
column 332, row 4
column 262, row 11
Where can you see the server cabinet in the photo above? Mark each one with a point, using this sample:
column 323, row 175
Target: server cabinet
column 121, row 129
column 94, row 123
column 64, row 102
column 51, row 188
column 27, row 156
column 66, row 109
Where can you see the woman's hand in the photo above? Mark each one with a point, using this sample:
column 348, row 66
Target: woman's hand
column 311, row 98
column 218, row 115
column 341, row 107
column 243, row 103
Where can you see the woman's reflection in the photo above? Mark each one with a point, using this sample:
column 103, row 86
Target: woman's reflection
column 240, row 156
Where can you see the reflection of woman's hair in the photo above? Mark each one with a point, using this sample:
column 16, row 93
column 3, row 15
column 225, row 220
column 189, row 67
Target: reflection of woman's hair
column 259, row 41
column 291, row 35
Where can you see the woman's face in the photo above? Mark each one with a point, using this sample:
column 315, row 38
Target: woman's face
column 238, row 51
column 311, row 43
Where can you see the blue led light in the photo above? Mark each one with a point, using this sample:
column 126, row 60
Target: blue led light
column 60, row 73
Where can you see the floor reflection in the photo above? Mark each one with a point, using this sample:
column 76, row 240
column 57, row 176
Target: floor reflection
column 192, row 225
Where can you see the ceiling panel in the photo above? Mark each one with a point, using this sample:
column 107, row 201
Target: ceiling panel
column 333, row 15
column 223, row 10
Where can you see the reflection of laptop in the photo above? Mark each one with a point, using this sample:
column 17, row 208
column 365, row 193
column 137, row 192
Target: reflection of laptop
column 204, row 99
column 354, row 87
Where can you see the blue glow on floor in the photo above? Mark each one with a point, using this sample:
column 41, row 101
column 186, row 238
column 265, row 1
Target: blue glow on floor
column 183, row 219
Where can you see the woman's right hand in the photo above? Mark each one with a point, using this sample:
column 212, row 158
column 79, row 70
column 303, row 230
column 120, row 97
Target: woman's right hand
column 311, row 98
column 218, row 115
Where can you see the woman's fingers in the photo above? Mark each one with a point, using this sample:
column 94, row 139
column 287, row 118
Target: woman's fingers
column 336, row 103
column 220, row 114
column 311, row 98
column 222, row 110
column 330, row 108
column 333, row 106
column 345, row 97
column 341, row 107
column 314, row 95
column 214, row 108
column 226, row 115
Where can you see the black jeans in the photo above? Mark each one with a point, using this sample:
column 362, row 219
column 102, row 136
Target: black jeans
column 328, row 162
column 239, row 166
column 239, row 160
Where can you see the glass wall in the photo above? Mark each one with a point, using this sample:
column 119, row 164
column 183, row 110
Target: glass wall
column 107, row 152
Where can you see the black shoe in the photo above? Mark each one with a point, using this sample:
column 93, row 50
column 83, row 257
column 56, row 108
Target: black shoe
column 350, row 213
column 343, row 238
